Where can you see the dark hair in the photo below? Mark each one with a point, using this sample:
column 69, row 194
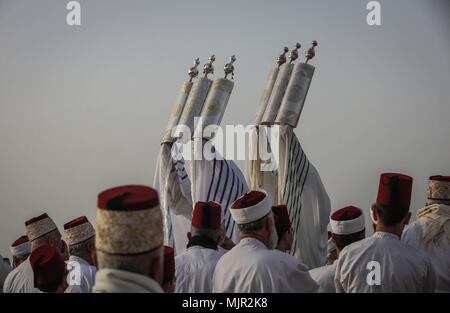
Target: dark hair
column 342, row 241
column 390, row 216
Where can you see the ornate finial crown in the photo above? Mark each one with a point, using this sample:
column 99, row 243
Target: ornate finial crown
column 310, row 53
column 293, row 55
column 208, row 67
column 229, row 68
column 282, row 57
column 193, row 71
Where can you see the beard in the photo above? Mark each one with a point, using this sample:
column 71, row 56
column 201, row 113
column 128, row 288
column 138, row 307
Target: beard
column 273, row 238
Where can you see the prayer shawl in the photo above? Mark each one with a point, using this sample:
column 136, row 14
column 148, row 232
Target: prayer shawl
column 402, row 268
column 296, row 184
column 430, row 233
column 251, row 267
column 221, row 181
column 118, row 281
column 324, row 277
column 194, row 269
column 81, row 276
column 21, row 279
column 173, row 184
column 432, row 222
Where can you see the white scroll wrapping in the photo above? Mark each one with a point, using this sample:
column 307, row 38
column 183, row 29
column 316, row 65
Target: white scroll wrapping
column 294, row 98
column 177, row 110
column 194, row 105
column 277, row 94
column 215, row 105
column 266, row 95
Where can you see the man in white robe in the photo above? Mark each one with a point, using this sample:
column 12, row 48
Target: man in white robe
column 194, row 268
column 80, row 238
column 5, row 269
column 383, row 263
column 41, row 231
column 254, row 265
column 431, row 232
column 348, row 226
column 129, row 241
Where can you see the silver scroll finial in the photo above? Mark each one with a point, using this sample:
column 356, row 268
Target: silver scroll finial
column 229, row 68
column 310, row 53
column 193, row 71
column 208, row 67
column 282, row 57
column 293, row 55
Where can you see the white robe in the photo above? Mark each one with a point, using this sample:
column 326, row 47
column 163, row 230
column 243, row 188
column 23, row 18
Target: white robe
column 194, row 269
column 402, row 268
column 324, row 277
column 251, row 267
column 118, row 281
column 81, row 276
column 439, row 255
column 21, row 279
column 5, row 269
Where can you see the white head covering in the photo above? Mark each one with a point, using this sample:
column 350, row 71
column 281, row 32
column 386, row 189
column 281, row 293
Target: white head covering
column 251, row 207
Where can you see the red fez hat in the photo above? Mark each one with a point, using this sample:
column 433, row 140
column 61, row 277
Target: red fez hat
column 129, row 220
column 249, row 199
column 169, row 264
column 207, row 215
column 131, row 197
column 20, row 241
column 440, row 178
column 78, row 230
column 39, row 226
column 438, row 189
column 48, row 266
column 348, row 220
column 282, row 221
column 76, row 222
column 395, row 191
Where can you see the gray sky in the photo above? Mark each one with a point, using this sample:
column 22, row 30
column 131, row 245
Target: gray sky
column 84, row 108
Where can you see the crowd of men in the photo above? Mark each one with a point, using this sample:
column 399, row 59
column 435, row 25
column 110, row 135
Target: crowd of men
column 124, row 252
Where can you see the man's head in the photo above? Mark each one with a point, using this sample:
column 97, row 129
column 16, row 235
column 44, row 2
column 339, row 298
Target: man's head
column 253, row 214
column 41, row 231
column 20, row 250
column 49, row 269
column 206, row 221
column 347, row 226
column 391, row 210
column 438, row 191
column 129, row 231
column 169, row 270
column 80, row 238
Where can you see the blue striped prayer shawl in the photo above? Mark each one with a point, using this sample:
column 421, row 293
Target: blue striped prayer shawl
column 221, row 181
column 295, row 177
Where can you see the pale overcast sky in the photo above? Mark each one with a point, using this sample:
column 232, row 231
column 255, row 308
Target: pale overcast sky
column 83, row 108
